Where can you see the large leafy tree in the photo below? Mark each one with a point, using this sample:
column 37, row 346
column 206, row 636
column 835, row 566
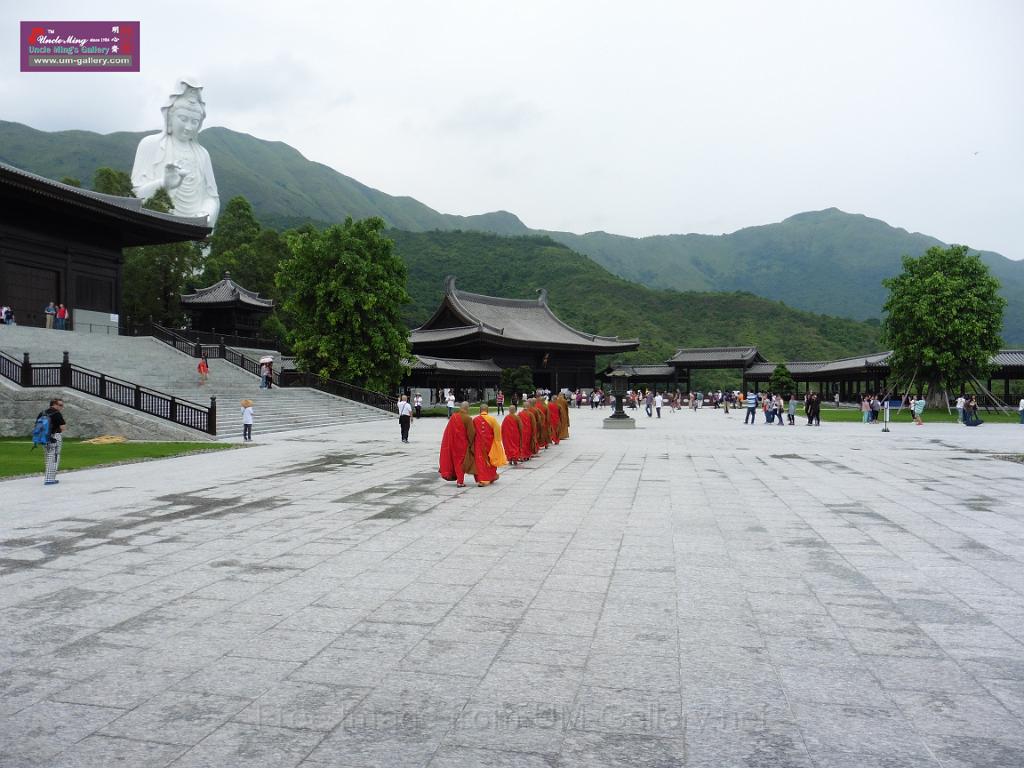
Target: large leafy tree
column 154, row 275
column 942, row 319
column 344, row 288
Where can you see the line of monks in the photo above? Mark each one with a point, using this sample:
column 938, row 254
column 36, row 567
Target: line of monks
column 477, row 445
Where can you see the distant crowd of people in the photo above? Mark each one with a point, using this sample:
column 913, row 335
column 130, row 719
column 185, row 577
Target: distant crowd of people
column 57, row 316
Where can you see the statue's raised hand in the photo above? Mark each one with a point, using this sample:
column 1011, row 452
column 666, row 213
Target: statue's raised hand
column 173, row 176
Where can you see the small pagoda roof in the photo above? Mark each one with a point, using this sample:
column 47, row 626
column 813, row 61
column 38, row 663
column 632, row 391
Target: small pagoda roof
column 716, row 357
column 454, row 365
column 95, row 211
column 226, row 293
column 465, row 316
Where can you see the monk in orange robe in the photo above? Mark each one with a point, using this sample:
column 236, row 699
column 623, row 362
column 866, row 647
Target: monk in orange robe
column 486, row 471
column 554, row 417
column 529, row 440
column 563, row 424
column 543, row 430
column 457, row 456
column 512, row 436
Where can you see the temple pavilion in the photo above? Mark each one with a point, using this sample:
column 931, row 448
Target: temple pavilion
column 513, row 333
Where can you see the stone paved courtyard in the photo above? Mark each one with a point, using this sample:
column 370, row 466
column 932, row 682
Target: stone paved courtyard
column 694, row 593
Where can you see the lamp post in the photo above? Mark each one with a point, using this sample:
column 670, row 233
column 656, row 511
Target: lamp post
column 619, row 419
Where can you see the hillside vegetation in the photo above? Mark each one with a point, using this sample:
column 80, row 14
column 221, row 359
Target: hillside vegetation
column 823, row 261
column 591, row 299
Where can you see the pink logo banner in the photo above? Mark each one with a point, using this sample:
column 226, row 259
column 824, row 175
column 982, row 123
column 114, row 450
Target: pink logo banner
column 79, row 46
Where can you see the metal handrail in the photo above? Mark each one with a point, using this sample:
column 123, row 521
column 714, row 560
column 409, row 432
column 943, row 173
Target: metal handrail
column 379, row 400
column 112, row 389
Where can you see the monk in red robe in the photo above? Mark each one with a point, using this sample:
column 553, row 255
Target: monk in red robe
column 529, row 440
column 512, row 436
column 554, row 417
column 457, row 457
column 486, row 472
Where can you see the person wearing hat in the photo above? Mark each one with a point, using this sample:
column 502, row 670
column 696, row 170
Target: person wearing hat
column 247, row 420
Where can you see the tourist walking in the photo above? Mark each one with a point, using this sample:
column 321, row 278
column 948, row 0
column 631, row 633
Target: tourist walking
column 751, row 404
column 499, row 400
column 449, row 400
column 865, row 410
column 971, row 413
column 1020, row 408
column 247, row 414
column 813, row 409
column 404, row 417
column 918, row 410
column 780, row 408
column 204, row 369
column 876, row 408
column 658, row 402
column 55, row 440
column 791, row 415
column 649, row 404
column 417, row 403
column 51, row 314
column 960, row 402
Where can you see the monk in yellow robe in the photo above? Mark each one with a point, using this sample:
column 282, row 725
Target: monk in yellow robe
column 497, row 453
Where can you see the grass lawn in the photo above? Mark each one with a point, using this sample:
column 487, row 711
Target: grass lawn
column 937, row 416
column 18, row 458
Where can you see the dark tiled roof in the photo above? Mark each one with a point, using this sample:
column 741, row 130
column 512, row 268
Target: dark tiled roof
column 128, row 209
column 226, row 292
column 424, row 363
column 1009, row 358
column 640, row 371
column 842, row 366
column 528, row 321
column 728, row 356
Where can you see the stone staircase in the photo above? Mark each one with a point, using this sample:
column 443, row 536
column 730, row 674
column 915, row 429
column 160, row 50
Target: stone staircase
column 151, row 363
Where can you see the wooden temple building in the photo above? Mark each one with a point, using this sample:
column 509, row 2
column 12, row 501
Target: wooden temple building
column 469, row 327
column 63, row 244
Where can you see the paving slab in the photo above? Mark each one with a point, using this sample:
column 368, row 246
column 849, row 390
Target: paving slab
column 695, row 592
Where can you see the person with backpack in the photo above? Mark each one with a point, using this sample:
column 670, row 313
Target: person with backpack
column 48, row 431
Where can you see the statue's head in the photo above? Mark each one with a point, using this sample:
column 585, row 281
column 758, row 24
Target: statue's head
column 185, row 110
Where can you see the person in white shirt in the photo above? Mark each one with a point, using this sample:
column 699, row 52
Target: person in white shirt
column 658, row 402
column 404, row 417
column 247, row 414
column 417, row 403
column 960, row 401
column 1020, row 407
column 450, row 402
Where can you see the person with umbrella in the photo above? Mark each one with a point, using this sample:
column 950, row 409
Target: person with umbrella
column 266, row 372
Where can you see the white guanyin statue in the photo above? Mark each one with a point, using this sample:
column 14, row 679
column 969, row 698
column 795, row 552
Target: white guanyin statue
column 174, row 160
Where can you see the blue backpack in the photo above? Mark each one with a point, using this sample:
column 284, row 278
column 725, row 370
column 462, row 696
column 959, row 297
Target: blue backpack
column 41, row 430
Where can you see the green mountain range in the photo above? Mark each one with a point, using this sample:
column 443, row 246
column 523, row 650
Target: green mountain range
column 590, row 298
column 823, row 261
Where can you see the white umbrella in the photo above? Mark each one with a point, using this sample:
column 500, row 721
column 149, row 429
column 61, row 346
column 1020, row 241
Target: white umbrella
column 267, row 359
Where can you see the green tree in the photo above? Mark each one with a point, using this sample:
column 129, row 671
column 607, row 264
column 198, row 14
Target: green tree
column 154, row 275
column 942, row 319
column 236, row 226
column 344, row 288
column 517, row 379
column 112, row 182
column 71, row 181
column 781, row 380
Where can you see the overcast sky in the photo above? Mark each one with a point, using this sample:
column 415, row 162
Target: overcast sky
column 634, row 118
